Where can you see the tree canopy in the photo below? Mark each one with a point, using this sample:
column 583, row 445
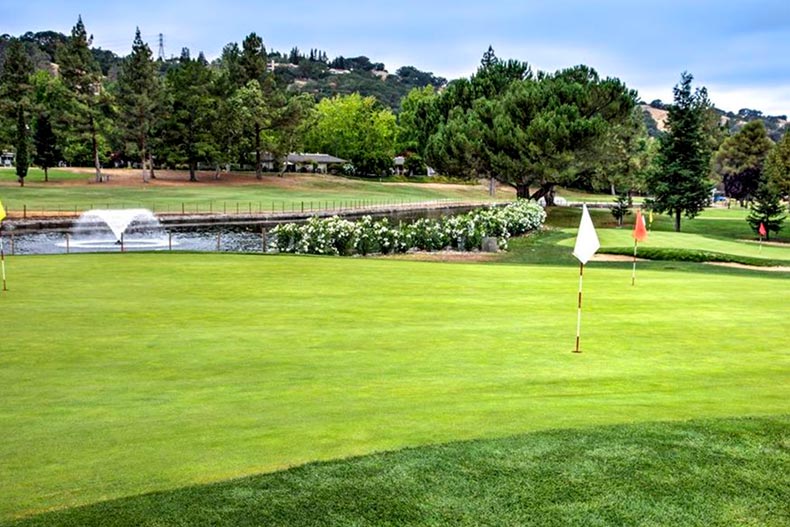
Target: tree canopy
column 679, row 183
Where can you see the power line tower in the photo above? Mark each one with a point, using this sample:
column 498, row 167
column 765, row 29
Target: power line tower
column 161, row 47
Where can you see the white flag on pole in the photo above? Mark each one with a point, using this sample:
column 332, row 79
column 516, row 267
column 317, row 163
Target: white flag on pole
column 586, row 240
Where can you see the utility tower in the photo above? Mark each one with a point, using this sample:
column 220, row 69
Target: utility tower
column 161, row 47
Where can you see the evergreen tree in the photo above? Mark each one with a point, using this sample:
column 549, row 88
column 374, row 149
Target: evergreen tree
column 15, row 90
column 679, row 182
column 777, row 166
column 138, row 95
column 620, row 209
column 22, row 146
column 81, row 75
column 739, row 161
column 253, row 59
column 767, row 209
column 45, row 142
column 191, row 110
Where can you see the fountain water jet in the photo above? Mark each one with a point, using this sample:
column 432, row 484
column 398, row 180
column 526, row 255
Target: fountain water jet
column 108, row 228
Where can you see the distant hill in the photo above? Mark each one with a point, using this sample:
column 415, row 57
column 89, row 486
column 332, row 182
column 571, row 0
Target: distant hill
column 312, row 73
column 776, row 125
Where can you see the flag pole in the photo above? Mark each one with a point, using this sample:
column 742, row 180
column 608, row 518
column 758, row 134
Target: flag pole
column 633, row 271
column 579, row 311
column 2, row 261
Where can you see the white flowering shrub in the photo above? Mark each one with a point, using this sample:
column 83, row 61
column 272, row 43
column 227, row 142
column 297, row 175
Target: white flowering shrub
column 368, row 236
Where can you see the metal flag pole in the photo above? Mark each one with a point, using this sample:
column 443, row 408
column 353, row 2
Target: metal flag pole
column 633, row 271
column 579, row 311
column 2, row 261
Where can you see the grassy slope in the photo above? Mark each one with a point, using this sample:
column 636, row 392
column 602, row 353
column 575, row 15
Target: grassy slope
column 132, row 373
column 272, row 193
column 698, row 473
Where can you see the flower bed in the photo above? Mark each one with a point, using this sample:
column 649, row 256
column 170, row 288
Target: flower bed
column 465, row 232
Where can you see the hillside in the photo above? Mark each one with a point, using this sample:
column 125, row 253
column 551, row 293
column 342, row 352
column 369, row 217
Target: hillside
column 776, row 125
column 310, row 73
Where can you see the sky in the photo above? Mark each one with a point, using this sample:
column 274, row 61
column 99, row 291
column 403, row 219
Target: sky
column 738, row 49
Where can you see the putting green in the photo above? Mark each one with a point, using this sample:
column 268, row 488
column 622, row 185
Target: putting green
column 129, row 373
column 682, row 240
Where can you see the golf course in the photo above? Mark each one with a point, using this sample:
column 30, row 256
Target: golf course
column 230, row 389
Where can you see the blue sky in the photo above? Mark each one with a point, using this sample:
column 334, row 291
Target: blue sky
column 739, row 50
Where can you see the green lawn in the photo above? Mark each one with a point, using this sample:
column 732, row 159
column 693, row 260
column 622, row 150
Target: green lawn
column 704, row 473
column 129, row 373
column 270, row 194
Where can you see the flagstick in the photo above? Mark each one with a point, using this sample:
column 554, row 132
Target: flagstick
column 579, row 313
column 2, row 261
column 633, row 272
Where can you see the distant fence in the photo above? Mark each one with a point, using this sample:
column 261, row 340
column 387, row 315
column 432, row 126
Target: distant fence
column 25, row 211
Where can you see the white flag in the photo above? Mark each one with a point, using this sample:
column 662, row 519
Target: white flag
column 587, row 240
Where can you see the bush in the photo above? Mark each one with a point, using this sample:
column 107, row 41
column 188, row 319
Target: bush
column 465, row 232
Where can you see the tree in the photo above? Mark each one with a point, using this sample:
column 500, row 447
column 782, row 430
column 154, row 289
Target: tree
column 254, row 110
column 354, row 128
column 46, row 143
column 253, row 58
column 620, row 209
column 777, row 166
column 679, row 184
column 16, row 89
column 739, row 161
column 767, row 209
column 82, row 76
column 546, row 130
column 138, row 95
column 191, row 110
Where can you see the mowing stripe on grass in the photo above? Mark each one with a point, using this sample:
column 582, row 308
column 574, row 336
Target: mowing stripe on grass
column 132, row 373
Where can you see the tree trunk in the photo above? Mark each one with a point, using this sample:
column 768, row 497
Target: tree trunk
column 677, row 220
column 491, row 186
column 614, row 192
column 142, row 162
column 258, row 172
column 192, row 176
column 216, row 171
column 522, row 191
column 546, row 191
column 151, row 164
column 46, row 174
column 95, row 142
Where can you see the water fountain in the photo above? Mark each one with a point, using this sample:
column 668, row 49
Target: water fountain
column 124, row 229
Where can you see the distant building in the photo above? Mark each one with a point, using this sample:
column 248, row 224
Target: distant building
column 7, row 159
column 301, row 162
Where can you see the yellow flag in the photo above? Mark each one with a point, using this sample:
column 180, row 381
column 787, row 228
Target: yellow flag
column 651, row 217
column 2, row 211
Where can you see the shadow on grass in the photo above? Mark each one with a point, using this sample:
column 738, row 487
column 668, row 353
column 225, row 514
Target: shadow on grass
column 703, row 472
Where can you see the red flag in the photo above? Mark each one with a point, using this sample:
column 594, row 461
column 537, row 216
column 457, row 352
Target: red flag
column 640, row 231
column 762, row 230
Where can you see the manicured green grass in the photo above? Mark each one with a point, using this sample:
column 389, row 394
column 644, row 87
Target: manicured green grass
column 272, row 194
column 36, row 175
column 699, row 473
column 130, row 373
column 682, row 240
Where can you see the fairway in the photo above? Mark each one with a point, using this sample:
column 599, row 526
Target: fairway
column 171, row 192
column 124, row 374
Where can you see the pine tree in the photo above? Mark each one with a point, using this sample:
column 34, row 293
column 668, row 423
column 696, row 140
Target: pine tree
column 489, row 58
column 22, row 146
column 253, row 59
column 45, row 142
column 739, row 161
column 190, row 113
column 138, row 95
column 767, row 209
column 15, row 91
column 81, row 75
column 680, row 183
column 777, row 166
